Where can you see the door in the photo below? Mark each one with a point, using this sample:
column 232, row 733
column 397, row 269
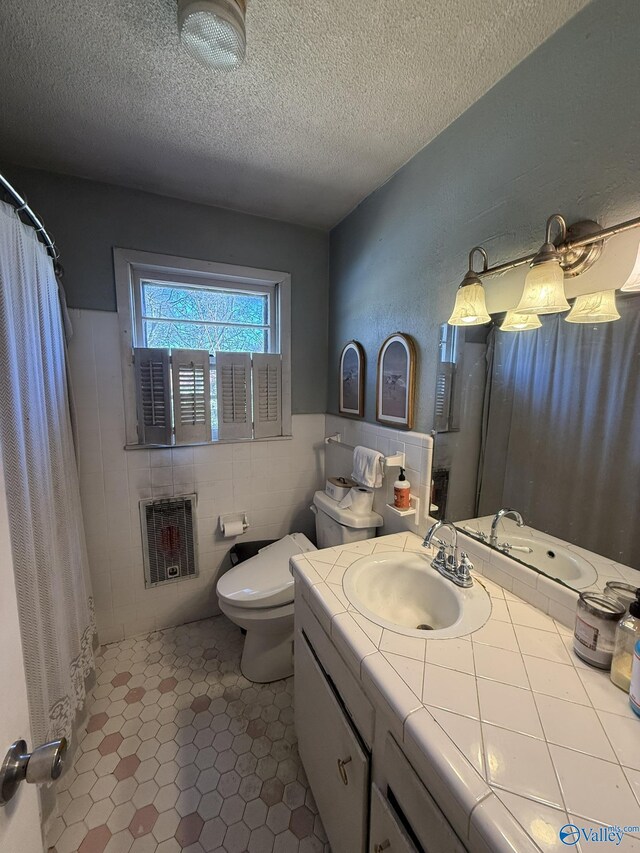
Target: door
column 386, row 834
column 336, row 765
column 20, row 818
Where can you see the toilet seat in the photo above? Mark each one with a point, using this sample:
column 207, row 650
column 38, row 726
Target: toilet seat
column 263, row 581
column 247, row 617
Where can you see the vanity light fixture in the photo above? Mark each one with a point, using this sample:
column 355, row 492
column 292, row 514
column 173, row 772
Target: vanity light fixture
column 470, row 308
column 594, row 308
column 544, row 285
column 514, row 322
column 577, row 250
column 213, row 31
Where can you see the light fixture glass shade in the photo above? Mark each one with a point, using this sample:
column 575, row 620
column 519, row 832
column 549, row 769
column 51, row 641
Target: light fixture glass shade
column 543, row 290
column 213, row 31
column 594, row 308
column 514, row 322
column 470, row 308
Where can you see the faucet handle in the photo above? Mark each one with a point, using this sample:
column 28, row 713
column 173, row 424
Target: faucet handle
column 440, row 559
column 464, row 568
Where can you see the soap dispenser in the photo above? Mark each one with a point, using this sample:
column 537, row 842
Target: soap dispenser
column 402, row 492
column 627, row 635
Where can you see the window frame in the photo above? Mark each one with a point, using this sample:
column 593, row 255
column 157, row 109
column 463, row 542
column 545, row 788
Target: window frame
column 131, row 267
column 192, row 282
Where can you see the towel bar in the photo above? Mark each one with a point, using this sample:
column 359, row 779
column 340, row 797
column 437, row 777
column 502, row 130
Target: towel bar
column 394, row 459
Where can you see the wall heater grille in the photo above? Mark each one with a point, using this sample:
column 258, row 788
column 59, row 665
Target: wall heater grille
column 169, row 539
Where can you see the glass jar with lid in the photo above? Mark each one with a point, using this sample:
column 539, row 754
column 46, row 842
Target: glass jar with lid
column 624, row 592
column 596, row 618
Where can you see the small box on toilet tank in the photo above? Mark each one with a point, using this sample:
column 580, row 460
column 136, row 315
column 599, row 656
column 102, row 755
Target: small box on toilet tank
column 339, row 487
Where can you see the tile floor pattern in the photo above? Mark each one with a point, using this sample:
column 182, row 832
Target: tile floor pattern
column 182, row 753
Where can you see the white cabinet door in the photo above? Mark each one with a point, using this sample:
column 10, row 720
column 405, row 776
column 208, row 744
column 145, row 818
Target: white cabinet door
column 428, row 824
column 385, row 834
column 335, row 763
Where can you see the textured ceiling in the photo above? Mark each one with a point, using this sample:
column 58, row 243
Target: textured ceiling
column 335, row 95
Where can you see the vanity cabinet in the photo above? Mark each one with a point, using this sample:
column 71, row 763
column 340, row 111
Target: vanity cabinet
column 334, row 758
column 339, row 736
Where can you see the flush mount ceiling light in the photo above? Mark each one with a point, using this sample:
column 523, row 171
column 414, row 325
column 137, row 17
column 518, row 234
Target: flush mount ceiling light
column 594, row 308
column 514, row 322
column 213, row 31
column 544, row 285
column 470, row 308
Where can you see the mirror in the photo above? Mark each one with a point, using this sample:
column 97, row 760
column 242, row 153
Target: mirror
column 545, row 422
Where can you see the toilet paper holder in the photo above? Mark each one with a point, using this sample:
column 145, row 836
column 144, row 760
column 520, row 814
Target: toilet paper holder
column 230, row 524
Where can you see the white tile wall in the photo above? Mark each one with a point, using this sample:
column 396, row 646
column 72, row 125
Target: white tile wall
column 273, row 481
column 418, row 450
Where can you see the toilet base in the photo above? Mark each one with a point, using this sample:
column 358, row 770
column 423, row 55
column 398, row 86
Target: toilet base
column 267, row 657
column 268, row 645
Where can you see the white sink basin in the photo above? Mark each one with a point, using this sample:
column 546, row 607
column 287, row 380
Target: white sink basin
column 554, row 560
column 403, row 592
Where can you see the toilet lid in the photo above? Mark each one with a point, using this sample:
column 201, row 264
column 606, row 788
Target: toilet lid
column 264, row 580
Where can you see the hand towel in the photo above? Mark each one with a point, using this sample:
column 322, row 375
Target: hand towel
column 367, row 467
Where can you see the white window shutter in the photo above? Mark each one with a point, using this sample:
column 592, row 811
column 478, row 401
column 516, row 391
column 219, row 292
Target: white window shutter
column 153, row 395
column 191, row 395
column 233, row 375
column 267, row 395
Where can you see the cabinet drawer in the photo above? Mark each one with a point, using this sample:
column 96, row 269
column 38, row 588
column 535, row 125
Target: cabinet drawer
column 385, row 833
column 422, row 813
column 335, row 763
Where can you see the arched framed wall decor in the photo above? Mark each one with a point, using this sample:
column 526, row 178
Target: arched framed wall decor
column 351, row 380
column 396, row 381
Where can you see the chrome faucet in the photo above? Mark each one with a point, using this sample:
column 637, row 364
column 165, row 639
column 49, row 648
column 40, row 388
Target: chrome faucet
column 447, row 564
column 497, row 518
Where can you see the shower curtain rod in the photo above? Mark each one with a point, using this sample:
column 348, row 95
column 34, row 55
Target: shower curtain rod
column 21, row 206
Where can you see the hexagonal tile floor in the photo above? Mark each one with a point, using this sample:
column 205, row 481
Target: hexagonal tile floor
column 181, row 752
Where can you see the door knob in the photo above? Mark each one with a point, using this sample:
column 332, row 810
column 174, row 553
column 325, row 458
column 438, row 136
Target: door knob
column 44, row 764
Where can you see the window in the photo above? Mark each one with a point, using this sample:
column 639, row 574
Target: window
column 206, row 350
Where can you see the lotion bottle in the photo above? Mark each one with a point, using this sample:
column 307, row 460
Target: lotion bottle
column 402, row 492
column 627, row 636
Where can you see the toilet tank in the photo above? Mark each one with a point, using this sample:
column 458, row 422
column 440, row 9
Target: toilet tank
column 338, row 526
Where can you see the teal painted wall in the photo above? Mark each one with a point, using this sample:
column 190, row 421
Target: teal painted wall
column 88, row 219
column 560, row 133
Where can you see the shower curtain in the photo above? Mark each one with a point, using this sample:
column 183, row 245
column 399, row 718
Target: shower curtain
column 45, row 519
column 560, row 433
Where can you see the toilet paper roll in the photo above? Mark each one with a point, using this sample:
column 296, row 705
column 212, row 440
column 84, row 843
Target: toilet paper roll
column 361, row 500
column 232, row 528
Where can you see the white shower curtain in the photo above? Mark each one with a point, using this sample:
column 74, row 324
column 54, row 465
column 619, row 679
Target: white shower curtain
column 45, row 518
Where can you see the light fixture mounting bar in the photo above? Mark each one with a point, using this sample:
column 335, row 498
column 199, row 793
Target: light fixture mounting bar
column 571, row 244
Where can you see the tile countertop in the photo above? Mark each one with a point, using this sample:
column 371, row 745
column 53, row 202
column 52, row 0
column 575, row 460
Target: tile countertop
column 525, row 736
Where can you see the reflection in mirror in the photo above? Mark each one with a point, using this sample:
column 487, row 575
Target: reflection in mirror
column 545, row 422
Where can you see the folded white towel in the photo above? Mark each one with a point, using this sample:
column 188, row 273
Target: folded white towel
column 367, row 467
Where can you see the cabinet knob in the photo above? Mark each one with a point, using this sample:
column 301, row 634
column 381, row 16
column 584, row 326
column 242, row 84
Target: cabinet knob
column 383, row 846
column 341, row 769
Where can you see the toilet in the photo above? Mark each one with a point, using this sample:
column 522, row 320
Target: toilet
column 257, row 595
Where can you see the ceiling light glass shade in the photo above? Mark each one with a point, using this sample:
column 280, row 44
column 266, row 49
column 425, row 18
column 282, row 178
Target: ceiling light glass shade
column 543, row 290
column 213, row 31
column 594, row 308
column 470, row 308
column 514, row 322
